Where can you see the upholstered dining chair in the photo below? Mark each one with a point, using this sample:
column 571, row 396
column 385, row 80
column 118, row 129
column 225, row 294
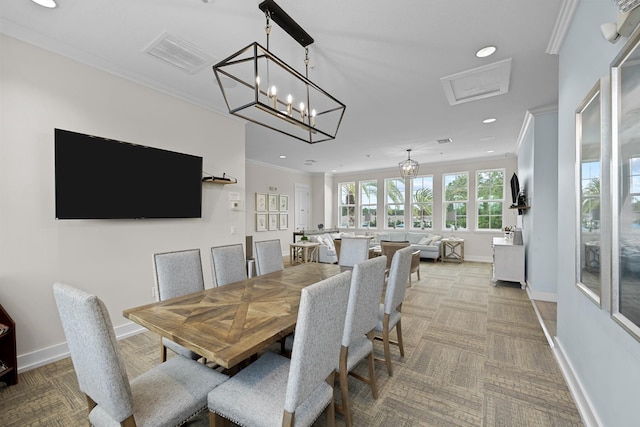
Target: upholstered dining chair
column 276, row 391
column 229, row 264
column 268, row 256
column 389, row 248
column 367, row 281
column 389, row 314
column 176, row 274
column 353, row 250
column 166, row 395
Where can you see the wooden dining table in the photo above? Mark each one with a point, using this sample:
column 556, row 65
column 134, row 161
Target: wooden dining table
column 230, row 323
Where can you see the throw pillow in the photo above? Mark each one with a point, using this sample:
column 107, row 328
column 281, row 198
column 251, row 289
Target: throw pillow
column 424, row 241
column 436, row 238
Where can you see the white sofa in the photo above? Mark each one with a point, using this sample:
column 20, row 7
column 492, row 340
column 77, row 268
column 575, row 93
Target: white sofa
column 427, row 243
column 326, row 250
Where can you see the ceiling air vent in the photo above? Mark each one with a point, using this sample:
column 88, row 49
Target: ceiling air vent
column 478, row 83
column 444, row 141
column 179, row 53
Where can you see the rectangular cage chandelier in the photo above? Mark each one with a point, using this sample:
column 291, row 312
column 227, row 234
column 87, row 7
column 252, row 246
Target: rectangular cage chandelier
column 260, row 87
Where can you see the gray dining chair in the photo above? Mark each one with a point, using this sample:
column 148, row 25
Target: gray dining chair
column 367, row 281
column 353, row 250
column 229, row 264
column 389, row 314
column 176, row 274
column 276, row 391
column 268, row 254
column 169, row 394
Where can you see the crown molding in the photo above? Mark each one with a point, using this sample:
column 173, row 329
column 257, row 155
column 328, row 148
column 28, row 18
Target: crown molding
column 567, row 9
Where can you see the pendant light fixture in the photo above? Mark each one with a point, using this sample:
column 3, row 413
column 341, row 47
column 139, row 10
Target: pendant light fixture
column 261, row 88
column 409, row 168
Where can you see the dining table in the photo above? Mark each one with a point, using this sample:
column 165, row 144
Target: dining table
column 228, row 324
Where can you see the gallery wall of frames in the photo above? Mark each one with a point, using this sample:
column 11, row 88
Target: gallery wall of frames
column 272, row 212
column 608, row 190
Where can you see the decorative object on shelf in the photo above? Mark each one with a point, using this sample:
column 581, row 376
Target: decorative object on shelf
column 284, row 221
column 265, row 90
column 284, row 203
column 273, row 221
column 273, row 202
column 408, row 168
column 261, row 202
column 224, row 179
column 261, row 222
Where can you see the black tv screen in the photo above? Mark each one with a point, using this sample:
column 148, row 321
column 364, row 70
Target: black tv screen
column 99, row 178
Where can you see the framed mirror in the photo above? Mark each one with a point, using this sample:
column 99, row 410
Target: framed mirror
column 625, row 94
column 589, row 199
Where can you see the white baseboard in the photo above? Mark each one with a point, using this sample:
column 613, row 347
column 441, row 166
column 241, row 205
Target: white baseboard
column 585, row 408
column 478, row 259
column 57, row 352
column 541, row 296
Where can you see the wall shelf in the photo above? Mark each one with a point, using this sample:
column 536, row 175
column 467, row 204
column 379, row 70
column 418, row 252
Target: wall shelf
column 219, row 180
column 519, row 207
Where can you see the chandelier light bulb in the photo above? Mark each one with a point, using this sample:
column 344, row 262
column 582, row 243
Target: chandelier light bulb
column 313, row 118
column 302, row 110
column 289, row 101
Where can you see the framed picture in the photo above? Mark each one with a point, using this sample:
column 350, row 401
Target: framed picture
column 261, row 202
column 284, row 203
column 273, row 221
column 284, row 221
column 625, row 187
column 261, row 222
column 592, row 122
column 273, row 202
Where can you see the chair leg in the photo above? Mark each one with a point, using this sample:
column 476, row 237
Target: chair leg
column 163, row 352
column 287, row 419
column 216, row 420
column 399, row 333
column 385, row 342
column 344, row 385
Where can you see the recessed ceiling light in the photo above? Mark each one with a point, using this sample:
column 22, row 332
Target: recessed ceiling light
column 283, row 156
column 486, row 51
column 333, row 170
column 46, row 3
column 489, row 120
column 489, row 151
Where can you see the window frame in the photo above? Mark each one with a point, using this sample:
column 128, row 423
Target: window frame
column 362, row 206
column 415, row 205
column 490, row 201
column 403, row 205
column 341, row 205
column 446, row 202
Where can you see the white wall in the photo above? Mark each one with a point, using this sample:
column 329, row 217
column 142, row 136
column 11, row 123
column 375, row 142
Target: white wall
column 601, row 355
column 260, row 178
column 111, row 258
column 538, row 177
column 477, row 245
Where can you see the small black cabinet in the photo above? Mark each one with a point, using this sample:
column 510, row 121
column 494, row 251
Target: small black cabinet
column 9, row 366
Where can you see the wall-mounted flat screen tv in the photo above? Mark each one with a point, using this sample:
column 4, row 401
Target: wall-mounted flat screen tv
column 99, row 178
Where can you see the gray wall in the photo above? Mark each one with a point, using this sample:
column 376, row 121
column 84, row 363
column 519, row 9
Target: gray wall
column 602, row 356
column 111, row 258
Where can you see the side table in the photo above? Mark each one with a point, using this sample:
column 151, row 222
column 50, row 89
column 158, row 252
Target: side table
column 301, row 252
column 452, row 250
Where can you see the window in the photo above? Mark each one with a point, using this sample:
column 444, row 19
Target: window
column 422, row 198
column 456, row 194
column 347, row 204
column 489, row 199
column 394, row 206
column 368, row 203
column 590, row 192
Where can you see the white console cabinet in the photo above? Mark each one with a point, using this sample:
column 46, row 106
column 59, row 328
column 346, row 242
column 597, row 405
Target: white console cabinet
column 508, row 261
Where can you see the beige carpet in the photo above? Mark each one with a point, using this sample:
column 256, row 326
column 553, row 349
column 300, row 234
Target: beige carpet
column 475, row 356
